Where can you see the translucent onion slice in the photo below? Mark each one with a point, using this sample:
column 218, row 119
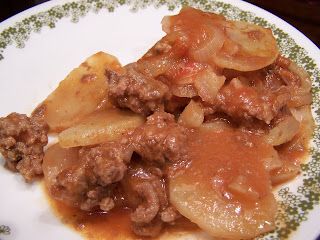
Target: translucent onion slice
column 208, row 83
column 186, row 90
column 304, row 77
column 287, row 172
column 216, row 126
column 192, row 116
column 240, row 187
column 302, row 95
column 304, row 116
column 283, row 131
column 213, row 43
column 202, row 32
column 272, row 162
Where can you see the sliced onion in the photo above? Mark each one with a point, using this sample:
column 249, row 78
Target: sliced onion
column 212, row 45
column 300, row 96
column 216, row 126
column 192, row 116
column 156, row 65
column 272, row 162
column 186, row 90
column 202, row 32
column 287, row 172
column 240, row 187
column 299, row 99
column 283, row 131
column 304, row 77
column 208, row 83
column 304, row 116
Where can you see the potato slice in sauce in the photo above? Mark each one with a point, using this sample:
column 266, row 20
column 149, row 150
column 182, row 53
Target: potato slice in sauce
column 79, row 94
column 226, row 190
column 248, row 47
column 100, row 127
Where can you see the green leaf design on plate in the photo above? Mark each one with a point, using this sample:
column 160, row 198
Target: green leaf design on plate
column 5, row 230
column 294, row 204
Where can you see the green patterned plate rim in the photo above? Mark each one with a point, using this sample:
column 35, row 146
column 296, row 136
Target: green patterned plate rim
column 294, row 205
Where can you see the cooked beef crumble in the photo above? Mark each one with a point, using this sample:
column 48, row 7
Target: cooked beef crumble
column 21, row 143
column 136, row 91
column 244, row 102
column 104, row 169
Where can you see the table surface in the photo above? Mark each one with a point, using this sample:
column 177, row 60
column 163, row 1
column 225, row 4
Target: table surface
column 303, row 14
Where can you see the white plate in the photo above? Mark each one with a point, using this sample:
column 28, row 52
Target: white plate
column 41, row 45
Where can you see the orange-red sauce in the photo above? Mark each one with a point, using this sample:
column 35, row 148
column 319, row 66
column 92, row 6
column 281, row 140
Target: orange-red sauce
column 223, row 155
column 113, row 225
column 218, row 158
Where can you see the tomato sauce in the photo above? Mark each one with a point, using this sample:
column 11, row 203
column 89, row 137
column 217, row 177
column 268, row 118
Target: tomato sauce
column 219, row 158
column 112, row 225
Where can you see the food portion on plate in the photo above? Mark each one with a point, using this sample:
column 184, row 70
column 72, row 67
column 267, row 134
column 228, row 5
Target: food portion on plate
column 201, row 127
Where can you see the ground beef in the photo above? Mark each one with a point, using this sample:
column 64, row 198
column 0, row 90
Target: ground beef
column 104, row 169
column 89, row 183
column 21, row 143
column 241, row 101
column 136, row 91
column 108, row 161
column 151, row 229
column 147, row 186
column 146, row 211
column 72, row 186
column 161, row 139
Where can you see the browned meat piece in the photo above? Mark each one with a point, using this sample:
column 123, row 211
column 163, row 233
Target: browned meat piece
column 160, row 139
column 137, row 91
column 151, row 229
column 146, row 211
column 147, row 187
column 21, row 143
column 108, row 161
column 73, row 185
column 241, row 101
column 94, row 181
column 90, row 183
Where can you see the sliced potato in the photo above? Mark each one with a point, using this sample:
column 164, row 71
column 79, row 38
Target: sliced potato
column 219, row 218
column 100, row 127
column 79, row 94
column 248, row 47
column 226, row 190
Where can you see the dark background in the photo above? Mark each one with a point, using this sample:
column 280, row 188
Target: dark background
column 303, row 14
